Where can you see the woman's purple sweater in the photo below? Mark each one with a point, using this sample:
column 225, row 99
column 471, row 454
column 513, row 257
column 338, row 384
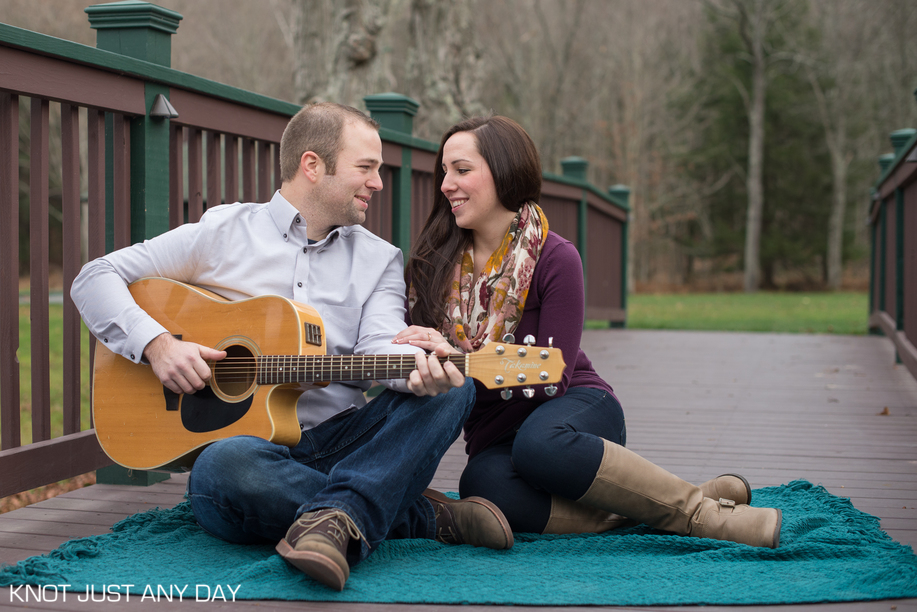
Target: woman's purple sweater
column 554, row 308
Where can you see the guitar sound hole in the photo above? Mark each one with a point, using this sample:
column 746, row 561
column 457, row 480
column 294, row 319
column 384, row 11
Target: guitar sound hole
column 235, row 374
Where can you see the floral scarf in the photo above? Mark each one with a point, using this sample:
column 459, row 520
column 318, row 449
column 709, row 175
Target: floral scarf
column 483, row 310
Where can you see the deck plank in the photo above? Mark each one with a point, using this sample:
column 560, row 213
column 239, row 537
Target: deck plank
column 774, row 407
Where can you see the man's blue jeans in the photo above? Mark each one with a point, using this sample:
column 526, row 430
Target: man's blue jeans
column 373, row 463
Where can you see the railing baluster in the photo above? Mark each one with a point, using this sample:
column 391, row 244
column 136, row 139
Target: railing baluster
column 95, row 247
column 231, row 153
column 214, row 169
column 248, row 170
column 264, row 171
column 121, row 206
column 276, row 156
column 9, row 270
column 38, row 263
column 176, row 176
column 195, row 176
column 95, row 121
column 70, row 201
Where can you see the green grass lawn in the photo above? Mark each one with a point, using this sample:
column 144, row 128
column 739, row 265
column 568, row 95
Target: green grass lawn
column 818, row 313
column 56, row 362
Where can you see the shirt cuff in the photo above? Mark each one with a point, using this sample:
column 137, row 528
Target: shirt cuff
column 139, row 337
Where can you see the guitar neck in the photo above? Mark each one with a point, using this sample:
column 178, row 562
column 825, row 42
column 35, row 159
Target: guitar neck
column 283, row 369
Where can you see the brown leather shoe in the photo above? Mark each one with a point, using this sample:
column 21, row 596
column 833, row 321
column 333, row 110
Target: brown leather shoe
column 316, row 545
column 472, row 520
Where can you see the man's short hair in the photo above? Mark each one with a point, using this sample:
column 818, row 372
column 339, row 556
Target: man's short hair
column 318, row 128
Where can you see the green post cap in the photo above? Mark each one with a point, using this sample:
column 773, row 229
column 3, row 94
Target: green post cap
column 137, row 29
column 885, row 161
column 900, row 138
column 574, row 167
column 393, row 111
column 620, row 192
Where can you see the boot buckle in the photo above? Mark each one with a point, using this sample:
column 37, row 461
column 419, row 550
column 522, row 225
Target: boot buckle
column 728, row 503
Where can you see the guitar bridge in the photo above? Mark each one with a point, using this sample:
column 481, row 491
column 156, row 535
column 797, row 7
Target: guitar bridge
column 313, row 334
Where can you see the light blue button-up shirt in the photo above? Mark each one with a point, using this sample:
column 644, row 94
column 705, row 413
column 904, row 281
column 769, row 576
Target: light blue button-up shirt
column 353, row 278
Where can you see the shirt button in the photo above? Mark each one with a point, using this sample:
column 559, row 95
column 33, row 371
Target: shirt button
column 299, row 284
column 284, row 236
column 297, row 219
column 132, row 357
column 304, row 250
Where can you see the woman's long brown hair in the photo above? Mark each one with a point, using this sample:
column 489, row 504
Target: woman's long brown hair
column 516, row 169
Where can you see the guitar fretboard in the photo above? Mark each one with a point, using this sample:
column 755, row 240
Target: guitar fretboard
column 283, row 369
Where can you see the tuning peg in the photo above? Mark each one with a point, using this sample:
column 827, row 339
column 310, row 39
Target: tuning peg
column 506, row 393
column 550, row 390
column 529, row 340
column 528, row 392
column 509, row 338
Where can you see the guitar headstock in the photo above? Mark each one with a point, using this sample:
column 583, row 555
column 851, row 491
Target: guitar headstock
column 500, row 365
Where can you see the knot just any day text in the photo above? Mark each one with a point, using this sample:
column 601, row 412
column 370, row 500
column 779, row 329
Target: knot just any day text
column 123, row 592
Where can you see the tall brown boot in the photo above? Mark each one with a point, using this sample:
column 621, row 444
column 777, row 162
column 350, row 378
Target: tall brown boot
column 629, row 485
column 568, row 516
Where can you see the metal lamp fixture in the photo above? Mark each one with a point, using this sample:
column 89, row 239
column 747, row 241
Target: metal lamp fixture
column 163, row 109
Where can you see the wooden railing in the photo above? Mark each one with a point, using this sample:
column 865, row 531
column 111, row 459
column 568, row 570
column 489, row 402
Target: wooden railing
column 156, row 147
column 893, row 265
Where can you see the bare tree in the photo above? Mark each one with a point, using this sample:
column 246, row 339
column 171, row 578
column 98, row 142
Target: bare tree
column 836, row 77
column 336, row 49
column 444, row 64
column 754, row 20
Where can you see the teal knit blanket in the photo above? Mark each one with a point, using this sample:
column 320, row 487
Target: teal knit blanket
column 829, row 551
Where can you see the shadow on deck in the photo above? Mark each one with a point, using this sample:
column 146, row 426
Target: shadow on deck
column 833, row 410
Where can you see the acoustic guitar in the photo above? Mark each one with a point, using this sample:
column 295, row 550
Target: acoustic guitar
column 275, row 349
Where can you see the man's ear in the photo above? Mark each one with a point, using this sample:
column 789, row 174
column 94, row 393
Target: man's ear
column 311, row 166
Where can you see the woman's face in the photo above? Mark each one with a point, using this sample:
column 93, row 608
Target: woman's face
column 468, row 184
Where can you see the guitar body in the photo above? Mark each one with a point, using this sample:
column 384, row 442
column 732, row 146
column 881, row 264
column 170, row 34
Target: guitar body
column 142, row 425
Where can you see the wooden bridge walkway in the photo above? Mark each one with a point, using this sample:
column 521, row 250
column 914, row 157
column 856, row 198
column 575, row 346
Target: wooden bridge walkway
column 834, row 410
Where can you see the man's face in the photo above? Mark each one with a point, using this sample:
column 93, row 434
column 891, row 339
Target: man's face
column 343, row 197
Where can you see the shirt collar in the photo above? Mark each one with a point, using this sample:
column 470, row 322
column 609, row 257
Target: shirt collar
column 284, row 215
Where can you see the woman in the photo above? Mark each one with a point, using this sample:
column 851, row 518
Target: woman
column 486, row 265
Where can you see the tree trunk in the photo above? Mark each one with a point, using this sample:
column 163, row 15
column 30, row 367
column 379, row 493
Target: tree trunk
column 754, row 181
column 336, row 49
column 444, row 65
column 839, row 164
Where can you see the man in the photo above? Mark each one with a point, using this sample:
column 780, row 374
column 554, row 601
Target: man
column 358, row 475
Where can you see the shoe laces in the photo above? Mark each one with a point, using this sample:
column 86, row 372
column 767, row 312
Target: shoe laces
column 446, row 530
column 335, row 524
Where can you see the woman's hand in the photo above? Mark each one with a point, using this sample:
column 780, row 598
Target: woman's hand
column 426, row 338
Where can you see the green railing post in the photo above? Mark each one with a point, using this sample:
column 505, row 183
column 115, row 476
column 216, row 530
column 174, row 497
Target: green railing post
column 882, row 252
column 622, row 193
column 142, row 31
column 900, row 138
column 873, row 280
column 396, row 112
column 575, row 168
column 885, row 161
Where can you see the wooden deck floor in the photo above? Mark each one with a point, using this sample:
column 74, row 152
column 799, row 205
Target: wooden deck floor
column 834, row 410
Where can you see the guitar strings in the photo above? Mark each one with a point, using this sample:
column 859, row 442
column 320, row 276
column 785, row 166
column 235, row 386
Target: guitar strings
column 320, row 368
